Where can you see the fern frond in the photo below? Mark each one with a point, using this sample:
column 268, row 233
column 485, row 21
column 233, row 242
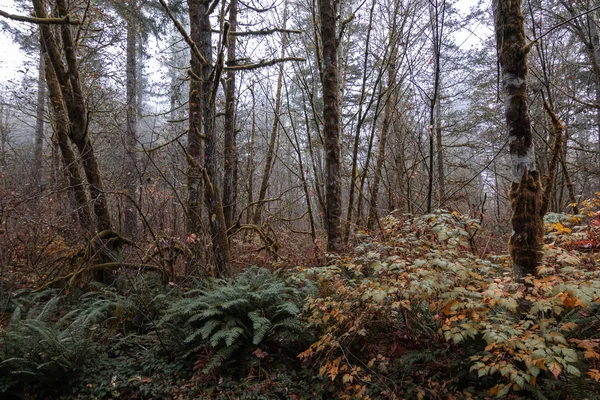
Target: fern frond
column 261, row 326
column 220, row 357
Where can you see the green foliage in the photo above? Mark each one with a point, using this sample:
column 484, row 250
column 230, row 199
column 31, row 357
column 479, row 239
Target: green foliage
column 39, row 352
column 257, row 308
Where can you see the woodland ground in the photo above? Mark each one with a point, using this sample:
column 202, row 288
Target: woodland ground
column 419, row 309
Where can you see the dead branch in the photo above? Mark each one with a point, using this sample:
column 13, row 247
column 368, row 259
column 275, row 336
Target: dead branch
column 261, row 64
column 66, row 20
column 260, row 32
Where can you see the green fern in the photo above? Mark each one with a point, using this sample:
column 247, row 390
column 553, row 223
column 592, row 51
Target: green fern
column 234, row 316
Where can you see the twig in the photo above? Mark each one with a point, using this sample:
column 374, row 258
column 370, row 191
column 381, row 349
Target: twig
column 185, row 35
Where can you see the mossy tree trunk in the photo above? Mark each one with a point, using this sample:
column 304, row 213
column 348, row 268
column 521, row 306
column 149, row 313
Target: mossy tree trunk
column 230, row 156
column 331, row 123
column 63, row 61
column 60, row 127
column 194, row 144
column 208, row 85
column 526, row 241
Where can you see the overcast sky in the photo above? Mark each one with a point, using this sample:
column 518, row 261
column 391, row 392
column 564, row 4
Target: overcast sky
column 11, row 58
column 10, row 55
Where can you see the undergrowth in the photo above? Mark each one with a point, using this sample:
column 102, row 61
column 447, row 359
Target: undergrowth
column 411, row 314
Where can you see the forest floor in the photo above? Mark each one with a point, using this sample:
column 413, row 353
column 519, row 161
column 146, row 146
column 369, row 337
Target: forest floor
column 419, row 309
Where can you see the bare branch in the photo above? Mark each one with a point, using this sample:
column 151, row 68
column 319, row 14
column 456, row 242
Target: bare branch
column 186, row 37
column 262, row 64
column 260, row 32
column 66, row 20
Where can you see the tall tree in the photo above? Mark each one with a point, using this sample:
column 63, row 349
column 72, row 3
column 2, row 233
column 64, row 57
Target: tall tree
column 328, row 10
column 39, row 123
column 131, row 165
column 230, row 157
column 202, row 126
column 63, row 61
column 271, row 149
column 526, row 193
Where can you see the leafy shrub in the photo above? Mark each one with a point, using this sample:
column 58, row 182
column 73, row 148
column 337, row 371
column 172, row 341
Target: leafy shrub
column 256, row 308
column 417, row 315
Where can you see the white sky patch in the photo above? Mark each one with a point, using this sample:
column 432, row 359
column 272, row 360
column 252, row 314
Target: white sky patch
column 11, row 57
column 474, row 34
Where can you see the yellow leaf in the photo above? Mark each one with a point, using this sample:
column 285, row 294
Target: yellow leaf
column 347, row 378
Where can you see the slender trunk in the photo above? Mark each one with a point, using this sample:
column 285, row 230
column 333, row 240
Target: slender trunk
column 195, row 106
column 250, row 166
column 274, row 131
column 316, row 174
column 298, row 150
column 525, row 243
column 270, row 152
column 230, row 157
column 557, row 134
column 131, row 225
column 387, row 122
column 439, row 149
column 331, row 127
column 437, row 18
column 39, row 126
column 354, row 178
column 365, row 171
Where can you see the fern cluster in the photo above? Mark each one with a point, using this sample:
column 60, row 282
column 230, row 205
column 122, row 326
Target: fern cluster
column 40, row 351
column 234, row 316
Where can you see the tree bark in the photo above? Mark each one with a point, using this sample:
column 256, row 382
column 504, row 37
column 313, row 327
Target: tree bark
column 274, row 132
column 230, row 157
column 525, row 244
column 39, row 125
column 390, row 107
column 195, row 109
column 74, row 102
column 331, row 126
column 209, row 81
column 131, row 225
column 69, row 159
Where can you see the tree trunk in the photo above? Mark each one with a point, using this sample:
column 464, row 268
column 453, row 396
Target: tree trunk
column 70, row 163
column 390, row 107
column 525, row 244
column 439, row 148
column 331, row 126
column 209, row 81
column 274, row 130
column 230, row 157
column 195, row 107
column 72, row 96
column 39, row 125
column 250, row 165
column 131, row 225
column 437, row 19
column 557, row 129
